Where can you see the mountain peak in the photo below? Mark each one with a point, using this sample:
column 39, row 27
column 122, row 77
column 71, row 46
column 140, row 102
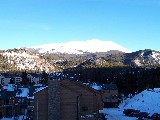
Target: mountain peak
column 80, row 47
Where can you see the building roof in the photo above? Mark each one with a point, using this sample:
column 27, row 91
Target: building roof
column 80, row 84
column 97, row 86
column 35, row 75
column 12, row 90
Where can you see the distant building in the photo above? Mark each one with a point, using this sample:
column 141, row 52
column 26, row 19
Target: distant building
column 34, row 78
column 110, row 95
column 17, row 100
column 17, row 79
column 4, row 79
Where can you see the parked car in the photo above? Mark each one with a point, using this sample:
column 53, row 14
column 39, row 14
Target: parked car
column 102, row 116
column 143, row 115
column 129, row 111
column 155, row 116
column 135, row 113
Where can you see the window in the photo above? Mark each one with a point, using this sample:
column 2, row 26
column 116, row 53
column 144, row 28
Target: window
column 114, row 96
column 2, row 79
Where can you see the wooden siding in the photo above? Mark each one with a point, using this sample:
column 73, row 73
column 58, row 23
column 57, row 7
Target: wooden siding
column 69, row 103
column 76, row 100
column 110, row 96
column 90, row 101
column 41, row 111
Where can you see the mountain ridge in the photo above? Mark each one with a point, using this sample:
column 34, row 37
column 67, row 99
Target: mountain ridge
column 80, row 47
column 30, row 59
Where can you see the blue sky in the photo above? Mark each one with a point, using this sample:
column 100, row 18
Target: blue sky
column 134, row 24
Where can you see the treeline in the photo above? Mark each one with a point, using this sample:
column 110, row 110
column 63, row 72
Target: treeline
column 127, row 79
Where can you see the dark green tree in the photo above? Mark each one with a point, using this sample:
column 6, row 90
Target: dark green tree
column 44, row 78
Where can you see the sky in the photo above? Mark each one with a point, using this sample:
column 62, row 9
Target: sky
column 133, row 24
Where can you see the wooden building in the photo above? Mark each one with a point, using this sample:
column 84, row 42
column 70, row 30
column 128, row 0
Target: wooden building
column 88, row 100
column 4, row 79
column 67, row 100
column 110, row 95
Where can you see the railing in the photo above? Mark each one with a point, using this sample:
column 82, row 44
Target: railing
column 88, row 119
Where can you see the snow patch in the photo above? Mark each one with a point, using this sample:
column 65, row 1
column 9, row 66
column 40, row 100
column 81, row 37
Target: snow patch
column 79, row 47
column 9, row 87
column 23, row 92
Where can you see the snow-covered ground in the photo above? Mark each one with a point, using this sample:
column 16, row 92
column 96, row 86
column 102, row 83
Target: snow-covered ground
column 17, row 118
column 146, row 101
column 116, row 114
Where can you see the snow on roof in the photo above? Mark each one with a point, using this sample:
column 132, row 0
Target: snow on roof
column 23, row 92
column 102, row 86
column 20, row 117
column 146, row 101
column 96, row 87
column 9, row 87
column 32, row 97
column 38, row 85
column 39, row 89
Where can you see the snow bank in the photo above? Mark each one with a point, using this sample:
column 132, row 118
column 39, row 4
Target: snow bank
column 147, row 101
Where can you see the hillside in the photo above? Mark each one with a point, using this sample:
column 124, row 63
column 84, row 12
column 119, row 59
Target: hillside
column 23, row 60
column 95, row 54
column 113, row 58
column 30, row 59
column 142, row 58
column 146, row 101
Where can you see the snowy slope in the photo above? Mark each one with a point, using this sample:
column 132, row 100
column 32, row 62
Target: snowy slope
column 79, row 47
column 147, row 101
column 149, row 57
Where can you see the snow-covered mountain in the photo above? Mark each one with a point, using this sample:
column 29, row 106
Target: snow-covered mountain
column 149, row 57
column 80, row 47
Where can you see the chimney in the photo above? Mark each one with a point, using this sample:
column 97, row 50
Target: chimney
column 53, row 100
